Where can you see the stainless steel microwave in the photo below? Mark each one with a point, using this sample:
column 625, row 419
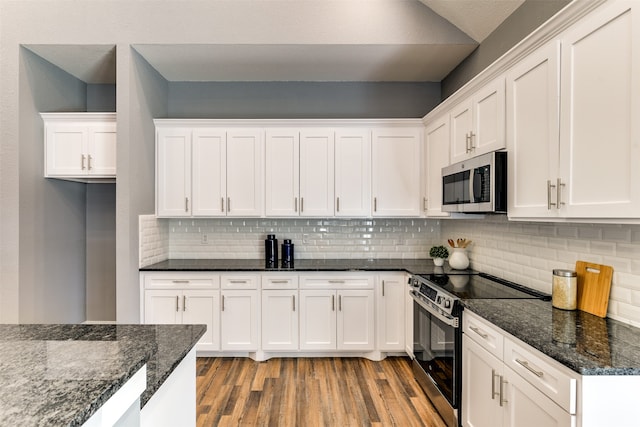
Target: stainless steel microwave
column 476, row 185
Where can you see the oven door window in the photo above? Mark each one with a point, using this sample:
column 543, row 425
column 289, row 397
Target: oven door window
column 434, row 350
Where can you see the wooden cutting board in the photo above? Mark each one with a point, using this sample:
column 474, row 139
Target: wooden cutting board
column 594, row 285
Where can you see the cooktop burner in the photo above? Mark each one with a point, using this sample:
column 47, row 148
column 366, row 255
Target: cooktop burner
column 482, row 286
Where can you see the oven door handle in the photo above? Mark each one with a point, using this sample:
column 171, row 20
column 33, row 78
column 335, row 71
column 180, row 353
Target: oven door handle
column 450, row 321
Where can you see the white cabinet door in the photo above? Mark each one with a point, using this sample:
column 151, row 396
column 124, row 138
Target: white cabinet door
column 162, row 307
column 461, row 128
column 318, row 319
column 533, row 133
column 66, row 149
column 203, row 307
column 437, row 137
column 396, row 172
column 282, row 165
column 390, row 312
column 478, row 123
column 525, row 406
column 245, row 157
column 209, row 172
column 101, row 152
column 481, row 374
column 353, row 173
column 173, row 172
column 280, row 319
column 316, row 172
column 239, row 320
column 599, row 127
column 356, row 320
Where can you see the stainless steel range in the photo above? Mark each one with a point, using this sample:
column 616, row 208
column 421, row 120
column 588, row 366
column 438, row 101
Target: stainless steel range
column 437, row 343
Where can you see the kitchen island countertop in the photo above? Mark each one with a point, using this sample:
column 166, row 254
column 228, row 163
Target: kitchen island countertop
column 60, row 375
column 587, row 344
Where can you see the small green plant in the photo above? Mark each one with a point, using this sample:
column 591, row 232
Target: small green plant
column 438, row 252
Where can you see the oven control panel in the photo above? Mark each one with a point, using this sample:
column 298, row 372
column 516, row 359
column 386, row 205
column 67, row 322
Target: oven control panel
column 435, row 295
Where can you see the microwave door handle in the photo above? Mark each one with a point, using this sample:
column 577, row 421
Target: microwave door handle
column 472, row 194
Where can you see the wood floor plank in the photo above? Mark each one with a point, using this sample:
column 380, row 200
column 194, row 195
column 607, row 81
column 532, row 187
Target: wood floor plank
column 291, row 392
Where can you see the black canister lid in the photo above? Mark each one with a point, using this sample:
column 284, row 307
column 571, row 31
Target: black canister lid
column 271, row 236
column 287, row 241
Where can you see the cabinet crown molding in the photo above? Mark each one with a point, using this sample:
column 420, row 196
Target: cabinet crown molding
column 261, row 123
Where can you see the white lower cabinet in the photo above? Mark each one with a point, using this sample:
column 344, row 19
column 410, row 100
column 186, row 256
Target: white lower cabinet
column 240, row 312
column 391, row 293
column 280, row 319
column 504, row 383
column 188, row 299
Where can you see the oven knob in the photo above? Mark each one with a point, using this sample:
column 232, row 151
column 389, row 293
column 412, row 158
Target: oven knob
column 440, row 299
column 447, row 303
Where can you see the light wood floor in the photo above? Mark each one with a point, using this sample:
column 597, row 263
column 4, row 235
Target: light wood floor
column 311, row 392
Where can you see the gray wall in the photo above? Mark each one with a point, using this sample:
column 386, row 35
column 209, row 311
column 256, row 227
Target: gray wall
column 101, row 97
column 51, row 212
column 520, row 24
column 101, row 252
column 269, row 100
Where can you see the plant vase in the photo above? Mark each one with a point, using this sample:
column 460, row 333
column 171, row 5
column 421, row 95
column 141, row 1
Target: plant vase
column 458, row 260
column 438, row 262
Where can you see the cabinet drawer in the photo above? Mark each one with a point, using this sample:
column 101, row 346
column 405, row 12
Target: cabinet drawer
column 336, row 282
column 483, row 332
column 548, row 376
column 181, row 280
column 240, row 281
column 279, row 281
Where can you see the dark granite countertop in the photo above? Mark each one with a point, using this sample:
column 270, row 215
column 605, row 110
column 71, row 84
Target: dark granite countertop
column 60, row 375
column 588, row 344
column 413, row 266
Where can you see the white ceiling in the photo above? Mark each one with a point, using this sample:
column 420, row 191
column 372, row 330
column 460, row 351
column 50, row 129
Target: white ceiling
column 433, row 47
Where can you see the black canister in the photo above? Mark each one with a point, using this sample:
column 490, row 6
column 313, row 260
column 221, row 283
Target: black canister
column 271, row 251
column 287, row 254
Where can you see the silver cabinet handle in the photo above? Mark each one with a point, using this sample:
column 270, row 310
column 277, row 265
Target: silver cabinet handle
column 559, row 186
column 339, row 302
column 525, row 365
column 424, row 204
column 493, row 384
column 222, row 301
column 467, row 140
column 82, row 158
column 89, row 161
column 221, row 204
column 479, row 332
column 337, row 204
column 549, row 187
column 471, row 146
column 279, row 282
column 383, row 288
column 503, row 382
column 336, row 281
column 293, row 300
column 333, row 303
column 301, row 204
column 228, row 204
column 179, row 281
column 184, row 303
column 295, row 204
column 177, row 303
column 238, row 281
column 186, row 204
column 375, row 204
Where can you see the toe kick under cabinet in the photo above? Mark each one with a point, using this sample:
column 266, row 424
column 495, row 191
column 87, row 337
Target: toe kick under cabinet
column 267, row 314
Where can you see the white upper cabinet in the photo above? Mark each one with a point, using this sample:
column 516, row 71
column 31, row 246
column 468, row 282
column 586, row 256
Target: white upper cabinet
column 245, row 172
column 317, row 172
column 173, row 172
column 396, row 171
column 600, row 110
column 533, row 133
column 437, row 137
column 478, row 123
column 80, row 146
column 209, row 172
column 299, row 172
column 353, row 172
